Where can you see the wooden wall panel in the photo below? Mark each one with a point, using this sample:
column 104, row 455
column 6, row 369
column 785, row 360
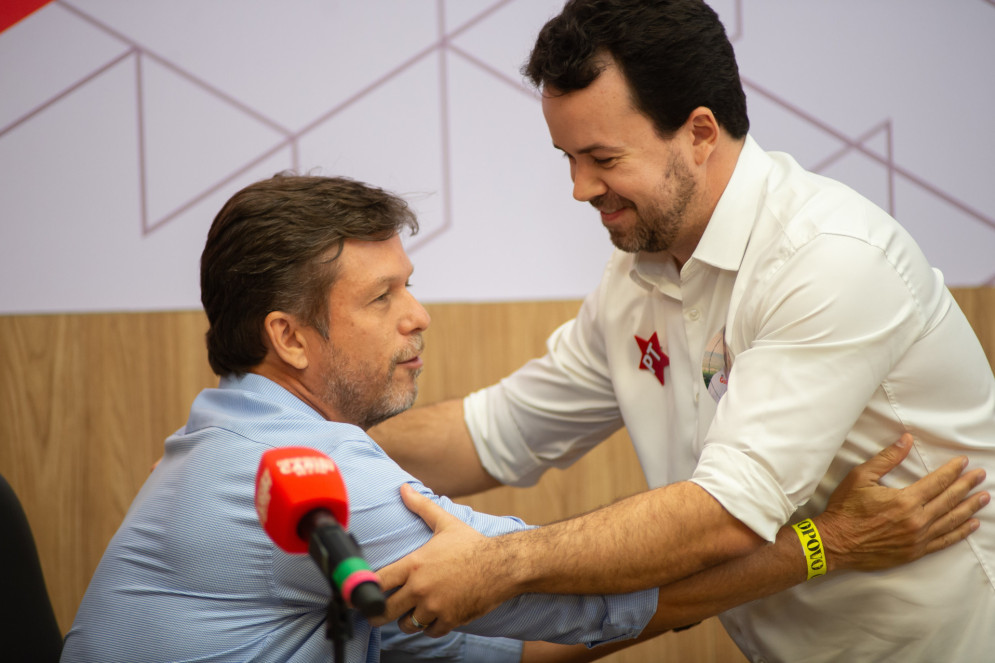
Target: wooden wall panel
column 85, row 404
column 86, row 401
column 978, row 305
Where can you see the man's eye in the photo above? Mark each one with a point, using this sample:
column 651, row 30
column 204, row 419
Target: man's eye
column 605, row 161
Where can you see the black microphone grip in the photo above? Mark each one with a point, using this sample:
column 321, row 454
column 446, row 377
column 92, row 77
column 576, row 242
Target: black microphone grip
column 341, row 561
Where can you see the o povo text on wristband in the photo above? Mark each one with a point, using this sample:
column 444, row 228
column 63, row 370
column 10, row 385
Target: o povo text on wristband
column 815, row 552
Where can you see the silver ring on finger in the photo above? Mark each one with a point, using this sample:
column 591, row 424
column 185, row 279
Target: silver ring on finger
column 417, row 624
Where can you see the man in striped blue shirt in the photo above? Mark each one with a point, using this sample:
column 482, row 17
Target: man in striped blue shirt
column 316, row 338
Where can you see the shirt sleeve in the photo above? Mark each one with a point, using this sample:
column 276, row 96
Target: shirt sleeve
column 551, row 411
column 822, row 335
column 456, row 647
column 386, row 530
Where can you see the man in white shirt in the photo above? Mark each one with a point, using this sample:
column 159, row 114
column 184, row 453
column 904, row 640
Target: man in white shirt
column 759, row 332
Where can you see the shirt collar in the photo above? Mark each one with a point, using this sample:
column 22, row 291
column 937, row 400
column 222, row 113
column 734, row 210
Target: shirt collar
column 269, row 390
column 724, row 241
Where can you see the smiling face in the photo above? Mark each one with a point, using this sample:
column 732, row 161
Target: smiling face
column 644, row 186
column 367, row 369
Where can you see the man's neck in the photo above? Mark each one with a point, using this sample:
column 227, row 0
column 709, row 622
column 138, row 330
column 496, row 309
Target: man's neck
column 721, row 165
column 293, row 381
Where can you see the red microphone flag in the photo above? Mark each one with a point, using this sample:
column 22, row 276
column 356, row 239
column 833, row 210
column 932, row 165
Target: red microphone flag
column 292, row 482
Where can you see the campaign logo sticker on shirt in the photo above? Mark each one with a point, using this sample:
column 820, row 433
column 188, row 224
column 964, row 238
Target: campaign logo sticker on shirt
column 715, row 365
column 653, row 358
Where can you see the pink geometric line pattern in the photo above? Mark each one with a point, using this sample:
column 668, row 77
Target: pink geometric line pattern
column 289, row 137
column 737, row 30
column 861, row 140
column 443, row 46
column 858, row 146
column 140, row 107
column 64, row 93
column 140, row 51
column 500, row 75
column 447, row 206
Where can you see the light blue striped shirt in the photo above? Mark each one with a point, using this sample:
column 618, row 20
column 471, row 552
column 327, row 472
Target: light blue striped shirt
column 191, row 575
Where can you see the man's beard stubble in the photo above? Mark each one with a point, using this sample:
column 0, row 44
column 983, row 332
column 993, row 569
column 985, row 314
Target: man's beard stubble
column 656, row 229
column 361, row 401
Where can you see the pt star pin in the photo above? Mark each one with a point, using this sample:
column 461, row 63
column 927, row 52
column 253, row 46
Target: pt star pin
column 653, row 358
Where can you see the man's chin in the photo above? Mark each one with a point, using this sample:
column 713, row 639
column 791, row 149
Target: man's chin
column 623, row 241
column 391, row 410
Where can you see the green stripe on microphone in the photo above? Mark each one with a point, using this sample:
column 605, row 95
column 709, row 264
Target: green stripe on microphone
column 347, row 567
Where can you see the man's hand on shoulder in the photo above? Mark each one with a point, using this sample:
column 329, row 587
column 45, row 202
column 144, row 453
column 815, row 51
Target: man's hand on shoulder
column 424, row 579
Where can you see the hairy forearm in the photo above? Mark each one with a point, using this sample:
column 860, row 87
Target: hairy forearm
column 433, row 444
column 670, row 534
column 768, row 570
column 647, row 540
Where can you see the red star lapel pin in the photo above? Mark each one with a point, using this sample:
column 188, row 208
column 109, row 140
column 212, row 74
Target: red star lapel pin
column 653, row 358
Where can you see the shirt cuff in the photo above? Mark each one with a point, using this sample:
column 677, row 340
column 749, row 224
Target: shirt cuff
column 455, row 647
column 492, row 650
column 628, row 615
column 744, row 488
column 500, row 448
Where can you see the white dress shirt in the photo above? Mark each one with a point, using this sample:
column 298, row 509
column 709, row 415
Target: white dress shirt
column 806, row 332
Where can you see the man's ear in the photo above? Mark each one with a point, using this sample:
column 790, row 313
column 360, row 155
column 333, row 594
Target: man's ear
column 704, row 133
column 285, row 339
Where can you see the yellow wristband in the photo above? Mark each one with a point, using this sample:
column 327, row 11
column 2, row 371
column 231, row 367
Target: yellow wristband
column 815, row 553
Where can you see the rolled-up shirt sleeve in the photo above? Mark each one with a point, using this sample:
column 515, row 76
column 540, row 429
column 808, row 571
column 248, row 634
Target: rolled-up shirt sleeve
column 552, row 410
column 825, row 330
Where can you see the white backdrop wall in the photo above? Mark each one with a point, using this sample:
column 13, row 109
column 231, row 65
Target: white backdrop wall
column 125, row 125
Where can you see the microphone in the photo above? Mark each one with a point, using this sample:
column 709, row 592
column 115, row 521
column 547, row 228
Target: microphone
column 302, row 504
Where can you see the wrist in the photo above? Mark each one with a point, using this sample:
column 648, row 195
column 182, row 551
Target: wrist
column 813, row 548
column 507, row 558
column 835, row 551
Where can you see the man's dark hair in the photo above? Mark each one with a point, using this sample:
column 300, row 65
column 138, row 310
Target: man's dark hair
column 273, row 247
column 674, row 54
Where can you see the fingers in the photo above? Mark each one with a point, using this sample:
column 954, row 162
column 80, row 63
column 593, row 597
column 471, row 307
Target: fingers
column 953, row 494
column 888, row 458
column 936, row 483
column 403, row 606
column 420, row 505
column 955, row 536
column 426, row 596
column 958, row 524
column 393, row 575
column 396, row 575
column 409, row 624
column 423, row 507
column 399, row 603
column 438, row 629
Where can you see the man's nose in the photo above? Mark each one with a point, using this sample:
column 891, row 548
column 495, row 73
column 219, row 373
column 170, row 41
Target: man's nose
column 418, row 318
column 587, row 184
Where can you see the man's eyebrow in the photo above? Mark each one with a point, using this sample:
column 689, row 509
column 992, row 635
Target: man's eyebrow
column 389, row 279
column 590, row 148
